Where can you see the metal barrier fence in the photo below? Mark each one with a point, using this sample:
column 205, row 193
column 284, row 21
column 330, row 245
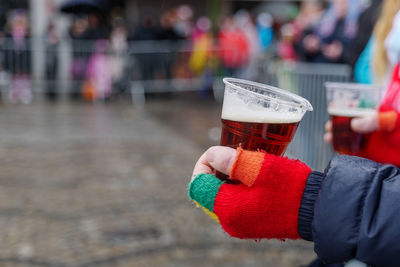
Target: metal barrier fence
column 126, row 67
column 135, row 68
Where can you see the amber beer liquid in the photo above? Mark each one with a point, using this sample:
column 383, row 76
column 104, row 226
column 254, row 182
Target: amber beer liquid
column 266, row 131
column 272, row 138
column 345, row 140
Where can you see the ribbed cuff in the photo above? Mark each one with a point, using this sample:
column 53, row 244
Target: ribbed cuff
column 306, row 211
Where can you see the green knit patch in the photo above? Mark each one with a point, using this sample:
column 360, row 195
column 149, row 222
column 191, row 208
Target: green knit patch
column 203, row 189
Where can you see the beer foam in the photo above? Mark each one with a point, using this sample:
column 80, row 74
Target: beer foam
column 350, row 112
column 235, row 108
column 259, row 116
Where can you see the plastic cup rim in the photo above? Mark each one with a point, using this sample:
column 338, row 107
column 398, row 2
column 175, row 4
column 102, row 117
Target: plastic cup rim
column 303, row 103
column 351, row 86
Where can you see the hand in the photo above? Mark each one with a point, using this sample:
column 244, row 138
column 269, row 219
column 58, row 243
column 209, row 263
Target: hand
column 328, row 132
column 218, row 158
column 263, row 201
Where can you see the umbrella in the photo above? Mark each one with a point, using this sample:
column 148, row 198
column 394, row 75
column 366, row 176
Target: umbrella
column 84, row 6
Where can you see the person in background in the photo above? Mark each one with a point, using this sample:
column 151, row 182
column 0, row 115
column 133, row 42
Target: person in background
column 18, row 58
column 304, row 24
column 52, row 42
column 146, row 33
column 202, row 56
column 372, row 64
column 354, row 54
column 244, row 21
column 309, row 16
column 383, row 60
column 4, row 76
column 233, row 49
column 384, row 126
column 202, row 45
column 351, row 210
column 329, row 39
column 285, row 47
column 119, row 58
column 184, row 23
column 80, row 55
column 94, row 36
column 98, row 83
column 264, row 23
column 170, row 38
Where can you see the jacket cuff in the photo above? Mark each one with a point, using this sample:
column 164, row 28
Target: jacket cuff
column 306, row 211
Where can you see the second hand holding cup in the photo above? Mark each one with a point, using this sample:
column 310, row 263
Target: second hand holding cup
column 345, row 102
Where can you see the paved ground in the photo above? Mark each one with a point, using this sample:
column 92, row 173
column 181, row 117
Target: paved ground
column 105, row 185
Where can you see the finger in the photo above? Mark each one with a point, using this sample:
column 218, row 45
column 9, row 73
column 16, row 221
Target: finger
column 364, row 125
column 359, row 125
column 221, row 158
column 328, row 137
column 202, row 166
column 328, row 126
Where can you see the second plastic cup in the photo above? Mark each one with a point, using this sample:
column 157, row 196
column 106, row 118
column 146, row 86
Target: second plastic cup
column 345, row 102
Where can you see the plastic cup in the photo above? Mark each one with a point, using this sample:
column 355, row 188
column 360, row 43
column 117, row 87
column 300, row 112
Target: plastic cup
column 256, row 116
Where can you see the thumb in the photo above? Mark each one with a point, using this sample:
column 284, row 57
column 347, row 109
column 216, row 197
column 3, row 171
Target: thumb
column 365, row 125
column 221, row 158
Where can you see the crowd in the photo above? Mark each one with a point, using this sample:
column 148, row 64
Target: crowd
column 173, row 45
column 335, row 31
column 342, row 31
column 107, row 53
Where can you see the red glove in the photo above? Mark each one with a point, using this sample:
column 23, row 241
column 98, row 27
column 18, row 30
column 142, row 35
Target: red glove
column 262, row 197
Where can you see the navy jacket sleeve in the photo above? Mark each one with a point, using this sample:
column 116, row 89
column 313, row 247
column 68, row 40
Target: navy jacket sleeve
column 353, row 211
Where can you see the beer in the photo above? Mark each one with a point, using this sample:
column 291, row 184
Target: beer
column 271, row 133
column 345, row 140
column 272, row 138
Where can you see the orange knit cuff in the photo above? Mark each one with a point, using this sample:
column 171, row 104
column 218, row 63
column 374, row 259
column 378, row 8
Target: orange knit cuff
column 387, row 120
column 247, row 166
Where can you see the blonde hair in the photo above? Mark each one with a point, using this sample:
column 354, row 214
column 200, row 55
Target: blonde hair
column 381, row 30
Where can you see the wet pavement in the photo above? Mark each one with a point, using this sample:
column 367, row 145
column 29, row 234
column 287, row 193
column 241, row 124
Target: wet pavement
column 105, row 185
